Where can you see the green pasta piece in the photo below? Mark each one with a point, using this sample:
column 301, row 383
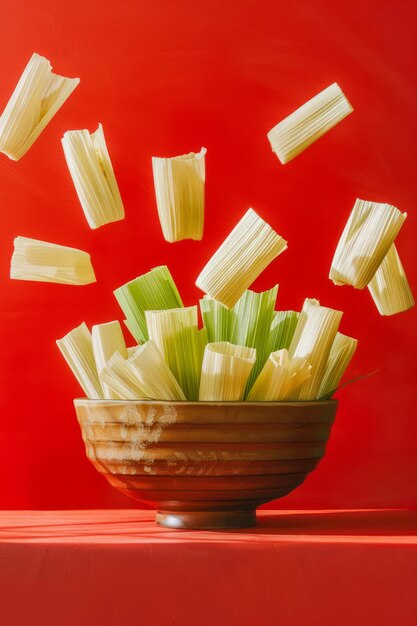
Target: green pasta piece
column 253, row 316
column 217, row 319
column 282, row 330
column 153, row 291
column 176, row 334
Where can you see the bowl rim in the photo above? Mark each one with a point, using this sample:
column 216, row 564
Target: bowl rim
column 183, row 403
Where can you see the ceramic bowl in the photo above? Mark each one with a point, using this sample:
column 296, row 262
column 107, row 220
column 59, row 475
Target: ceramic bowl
column 205, row 464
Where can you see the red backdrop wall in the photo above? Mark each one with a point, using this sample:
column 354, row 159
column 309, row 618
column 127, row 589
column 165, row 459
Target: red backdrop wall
column 166, row 77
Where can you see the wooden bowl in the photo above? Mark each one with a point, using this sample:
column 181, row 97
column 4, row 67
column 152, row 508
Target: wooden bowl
column 205, row 465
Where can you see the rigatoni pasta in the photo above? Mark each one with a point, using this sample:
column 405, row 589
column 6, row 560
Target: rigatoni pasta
column 176, row 333
column 368, row 235
column 389, row 286
column 93, row 176
column 39, row 94
column 42, row 261
column 313, row 338
column 107, row 339
column 244, row 254
column 77, row 349
column 225, row 371
column 308, row 123
column 179, row 188
column 154, row 290
column 341, row 353
column 154, row 376
column 119, row 377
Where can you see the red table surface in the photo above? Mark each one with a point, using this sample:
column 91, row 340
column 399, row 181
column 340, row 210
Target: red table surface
column 297, row 568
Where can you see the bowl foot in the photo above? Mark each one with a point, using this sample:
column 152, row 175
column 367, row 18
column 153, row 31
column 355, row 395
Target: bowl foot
column 206, row 520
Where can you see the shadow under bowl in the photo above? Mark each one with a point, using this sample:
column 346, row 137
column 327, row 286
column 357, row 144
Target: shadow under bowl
column 205, row 465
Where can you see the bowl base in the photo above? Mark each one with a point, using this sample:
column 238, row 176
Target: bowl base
column 206, row 520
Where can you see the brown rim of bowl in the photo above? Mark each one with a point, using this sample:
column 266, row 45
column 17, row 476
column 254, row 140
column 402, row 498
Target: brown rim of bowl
column 79, row 401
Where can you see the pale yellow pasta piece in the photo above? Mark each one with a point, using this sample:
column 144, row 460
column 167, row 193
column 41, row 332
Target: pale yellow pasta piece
column 244, row 254
column 77, row 349
column 368, row 235
column 121, row 379
column 107, row 339
column 153, row 374
column 92, row 173
column 225, row 371
column 389, row 287
column 308, row 123
column 51, row 263
column 39, row 94
column 312, row 342
column 341, row 353
column 179, row 187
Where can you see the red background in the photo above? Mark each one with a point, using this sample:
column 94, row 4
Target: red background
column 164, row 78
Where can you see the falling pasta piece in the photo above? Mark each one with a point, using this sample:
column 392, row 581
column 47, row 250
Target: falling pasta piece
column 225, row 371
column 92, row 173
column 368, row 235
column 313, row 338
column 179, row 188
column 50, row 263
column 107, row 339
column 39, row 94
column 308, row 123
column 341, row 354
column 121, row 379
column 245, row 253
column 153, row 374
column 76, row 348
column 152, row 291
column 389, row 287
column 176, row 334
column 252, row 318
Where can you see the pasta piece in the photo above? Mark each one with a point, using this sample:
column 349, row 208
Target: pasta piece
column 252, row 319
column 176, row 334
column 308, row 123
column 120, row 378
column 225, row 371
column 272, row 380
column 389, row 287
column 92, row 173
column 76, row 348
column 280, row 378
column 179, row 188
column 299, row 371
column 152, row 291
column 313, row 338
column 368, row 235
column 245, row 253
column 341, row 353
column 39, row 94
column 153, row 374
column 217, row 319
column 302, row 319
column 282, row 330
column 50, row 263
column 107, row 339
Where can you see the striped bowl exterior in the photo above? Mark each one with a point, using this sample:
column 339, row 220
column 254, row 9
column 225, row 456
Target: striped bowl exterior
column 205, row 464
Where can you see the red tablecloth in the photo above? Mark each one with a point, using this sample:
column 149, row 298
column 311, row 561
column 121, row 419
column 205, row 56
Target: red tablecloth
column 297, row 568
